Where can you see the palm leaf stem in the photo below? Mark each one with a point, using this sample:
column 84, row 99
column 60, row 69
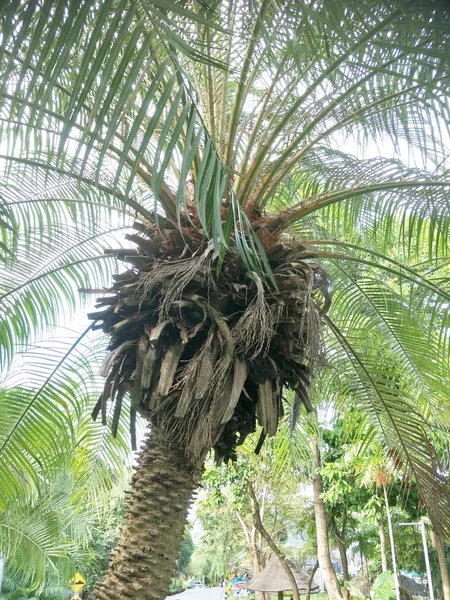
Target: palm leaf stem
column 52, row 271
column 169, row 6
column 77, row 201
column 33, row 542
column 41, row 388
column 223, row 120
column 278, row 102
column 413, row 277
column 211, row 91
column 166, row 196
column 386, row 323
column 189, row 95
column 250, row 253
column 245, row 120
column 423, row 283
column 88, row 70
column 301, row 210
column 269, row 184
column 257, row 126
column 281, row 160
column 101, row 102
column 261, row 155
column 242, row 87
column 353, row 354
column 283, row 164
column 86, row 180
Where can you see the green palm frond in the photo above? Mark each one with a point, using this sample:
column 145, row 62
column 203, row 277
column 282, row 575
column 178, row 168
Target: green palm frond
column 371, row 376
column 381, row 197
column 33, row 535
column 169, row 101
column 46, row 411
column 224, row 118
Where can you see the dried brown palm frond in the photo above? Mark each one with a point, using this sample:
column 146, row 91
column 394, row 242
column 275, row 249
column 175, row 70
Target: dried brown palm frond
column 206, row 351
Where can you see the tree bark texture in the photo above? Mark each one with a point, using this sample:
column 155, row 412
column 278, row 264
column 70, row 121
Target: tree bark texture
column 391, row 541
column 267, row 537
column 255, row 552
column 323, row 548
column 311, row 579
column 383, row 551
column 439, row 545
column 342, row 546
column 143, row 561
column 340, row 541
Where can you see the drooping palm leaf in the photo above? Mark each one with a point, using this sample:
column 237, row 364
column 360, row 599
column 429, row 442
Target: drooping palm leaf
column 224, row 118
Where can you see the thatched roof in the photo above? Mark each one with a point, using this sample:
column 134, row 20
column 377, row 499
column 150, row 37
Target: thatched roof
column 274, row 579
column 414, row 588
column 361, row 583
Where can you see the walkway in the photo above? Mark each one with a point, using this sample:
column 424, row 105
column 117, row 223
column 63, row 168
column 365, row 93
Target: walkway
column 215, row 593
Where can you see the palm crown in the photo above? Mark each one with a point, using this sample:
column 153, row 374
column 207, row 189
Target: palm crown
column 218, row 129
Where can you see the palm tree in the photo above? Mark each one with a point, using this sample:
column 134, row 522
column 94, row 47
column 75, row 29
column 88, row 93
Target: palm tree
column 47, row 515
column 218, row 132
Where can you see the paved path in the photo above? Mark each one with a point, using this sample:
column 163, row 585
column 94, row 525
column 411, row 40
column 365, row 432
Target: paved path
column 215, row 593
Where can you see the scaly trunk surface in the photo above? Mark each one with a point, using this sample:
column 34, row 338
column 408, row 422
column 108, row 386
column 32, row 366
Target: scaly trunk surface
column 439, row 545
column 144, row 559
column 383, row 545
column 323, row 548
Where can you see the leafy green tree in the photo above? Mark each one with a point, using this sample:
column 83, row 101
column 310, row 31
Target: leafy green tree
column 217, row 130
column 342, row 495
column 236, row 494
column 186, row 551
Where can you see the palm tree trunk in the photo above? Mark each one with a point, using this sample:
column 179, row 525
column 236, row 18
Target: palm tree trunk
column 383, row 545
column 144, row 559
column 439, row 545
column 255, row 553
column 323, row 548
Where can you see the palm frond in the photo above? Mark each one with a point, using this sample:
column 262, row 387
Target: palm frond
column 378, row 197
column 46, row 401
column 225, row 121
column 373, row 378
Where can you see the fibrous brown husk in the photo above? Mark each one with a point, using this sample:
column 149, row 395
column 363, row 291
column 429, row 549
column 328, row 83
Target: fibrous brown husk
column 207, row 352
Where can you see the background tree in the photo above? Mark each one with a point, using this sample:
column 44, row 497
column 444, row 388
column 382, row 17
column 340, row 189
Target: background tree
column 273, row 494
column 220, row 130
column 186, row 551
column 342, row 496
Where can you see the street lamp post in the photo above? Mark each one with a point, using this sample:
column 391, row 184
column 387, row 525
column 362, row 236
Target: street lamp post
column 421, row 525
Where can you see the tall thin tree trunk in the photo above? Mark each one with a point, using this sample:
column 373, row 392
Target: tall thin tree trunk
column 323, row 548
column 311, row 579
column 144, row 559
column 268, row 539
column 439, row 545
column 339, row 535
column 255, row 553
column 383, row 545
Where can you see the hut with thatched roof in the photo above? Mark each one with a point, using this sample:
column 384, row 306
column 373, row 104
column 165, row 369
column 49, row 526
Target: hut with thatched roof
column 273, row 579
